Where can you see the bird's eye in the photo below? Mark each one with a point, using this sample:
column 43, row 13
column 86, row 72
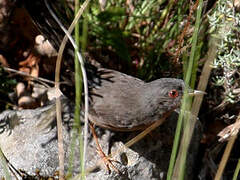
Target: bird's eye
column 173, row 93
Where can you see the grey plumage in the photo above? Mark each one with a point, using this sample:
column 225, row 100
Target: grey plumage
column 124, row 103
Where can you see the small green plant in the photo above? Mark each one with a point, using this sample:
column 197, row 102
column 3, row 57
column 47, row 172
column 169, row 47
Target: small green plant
column 226, row 21
column 6, row 86
column 138, row 38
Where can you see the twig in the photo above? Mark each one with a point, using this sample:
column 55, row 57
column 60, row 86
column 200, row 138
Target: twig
column 226, row 154
column 184, row 32
column 225, row 157
column 4, row 165
column 82, row 68
column 28, row 75
column 229, row 131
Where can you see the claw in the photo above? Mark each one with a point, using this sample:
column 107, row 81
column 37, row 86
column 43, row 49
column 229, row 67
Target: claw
column 107, row 160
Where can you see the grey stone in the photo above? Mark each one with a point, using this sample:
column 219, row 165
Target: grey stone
column 29, row 141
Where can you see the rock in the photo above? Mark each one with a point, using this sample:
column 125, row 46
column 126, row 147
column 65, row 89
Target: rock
column 28, row 139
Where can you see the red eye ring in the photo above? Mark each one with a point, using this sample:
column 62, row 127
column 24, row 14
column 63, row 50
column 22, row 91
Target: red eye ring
column 173, row 93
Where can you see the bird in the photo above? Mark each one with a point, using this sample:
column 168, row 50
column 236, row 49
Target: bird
column 121, row 102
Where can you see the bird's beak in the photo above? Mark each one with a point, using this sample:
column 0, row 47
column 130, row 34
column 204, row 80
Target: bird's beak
column 192, row 92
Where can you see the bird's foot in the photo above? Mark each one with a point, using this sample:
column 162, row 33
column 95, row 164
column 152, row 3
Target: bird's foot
column 108, row 162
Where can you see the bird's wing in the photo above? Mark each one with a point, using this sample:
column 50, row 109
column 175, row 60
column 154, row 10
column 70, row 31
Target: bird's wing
column 114, row 101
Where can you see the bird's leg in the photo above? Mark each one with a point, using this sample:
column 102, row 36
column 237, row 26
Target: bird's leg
column 107, row 161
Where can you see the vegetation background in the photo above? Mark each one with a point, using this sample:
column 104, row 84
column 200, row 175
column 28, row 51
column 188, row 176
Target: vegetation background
column 148, row 39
